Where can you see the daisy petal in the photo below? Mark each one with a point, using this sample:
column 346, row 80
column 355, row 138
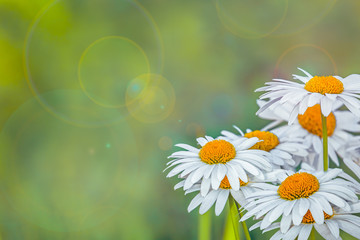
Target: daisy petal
column 305, row 232
column 208, row 201
column 221, row 201
column 195, row 202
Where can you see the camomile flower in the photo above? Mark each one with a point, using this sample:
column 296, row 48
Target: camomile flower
column 299, row 193
column 279, row 145
column 308, row 126
column 329, row 230
column 323, row 90
column 216, row 159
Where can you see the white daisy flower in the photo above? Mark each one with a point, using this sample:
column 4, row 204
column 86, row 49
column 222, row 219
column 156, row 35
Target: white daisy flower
column 279, row 145
column 351, row 155
column 216, row 159
column 329, row 230
column 322, row 90
column 299, row 193
column 308, row 126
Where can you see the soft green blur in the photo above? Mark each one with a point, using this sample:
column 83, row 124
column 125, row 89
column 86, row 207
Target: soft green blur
column 95, row 93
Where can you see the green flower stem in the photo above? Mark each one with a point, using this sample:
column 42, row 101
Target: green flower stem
column 312, row 234
column 236, row 214
column 228, row 230
column 235, row 217
column 205, row 226
column 246, row 230
column 325, row 142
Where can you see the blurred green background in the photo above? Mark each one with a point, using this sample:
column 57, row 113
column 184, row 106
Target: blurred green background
column 95, row 93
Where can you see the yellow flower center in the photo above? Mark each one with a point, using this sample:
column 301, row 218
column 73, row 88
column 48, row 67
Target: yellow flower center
column 308, row 218
column 217, row 151
column 270, row 140
column 298, row 185
column 226, row 185
column 324, row 85
column 311, row 121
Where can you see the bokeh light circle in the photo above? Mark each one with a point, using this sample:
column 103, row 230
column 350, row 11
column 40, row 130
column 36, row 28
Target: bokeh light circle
column 106, row 67
column 312, row 58
column 153, row 103
column 58, row 175
column 251, row 19
column 60, row 33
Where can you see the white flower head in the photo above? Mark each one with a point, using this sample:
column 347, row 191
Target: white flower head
column 279, row 145
column 298, row 193
column 329, row 230
column 312, row 90
column 216, row 159
column 308, row 126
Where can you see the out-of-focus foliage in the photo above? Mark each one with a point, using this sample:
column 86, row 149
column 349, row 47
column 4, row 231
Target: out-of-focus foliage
column 95, row 93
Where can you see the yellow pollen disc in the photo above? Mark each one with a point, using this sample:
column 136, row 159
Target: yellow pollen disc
column 324, row 85
column 217, row 151
column 298, row 185
column 270, row 140
column 308, row 218
column 226, row 185
column 311, row 121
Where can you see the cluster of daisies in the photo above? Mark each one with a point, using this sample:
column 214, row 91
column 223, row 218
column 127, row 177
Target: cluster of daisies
column 279, row 175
